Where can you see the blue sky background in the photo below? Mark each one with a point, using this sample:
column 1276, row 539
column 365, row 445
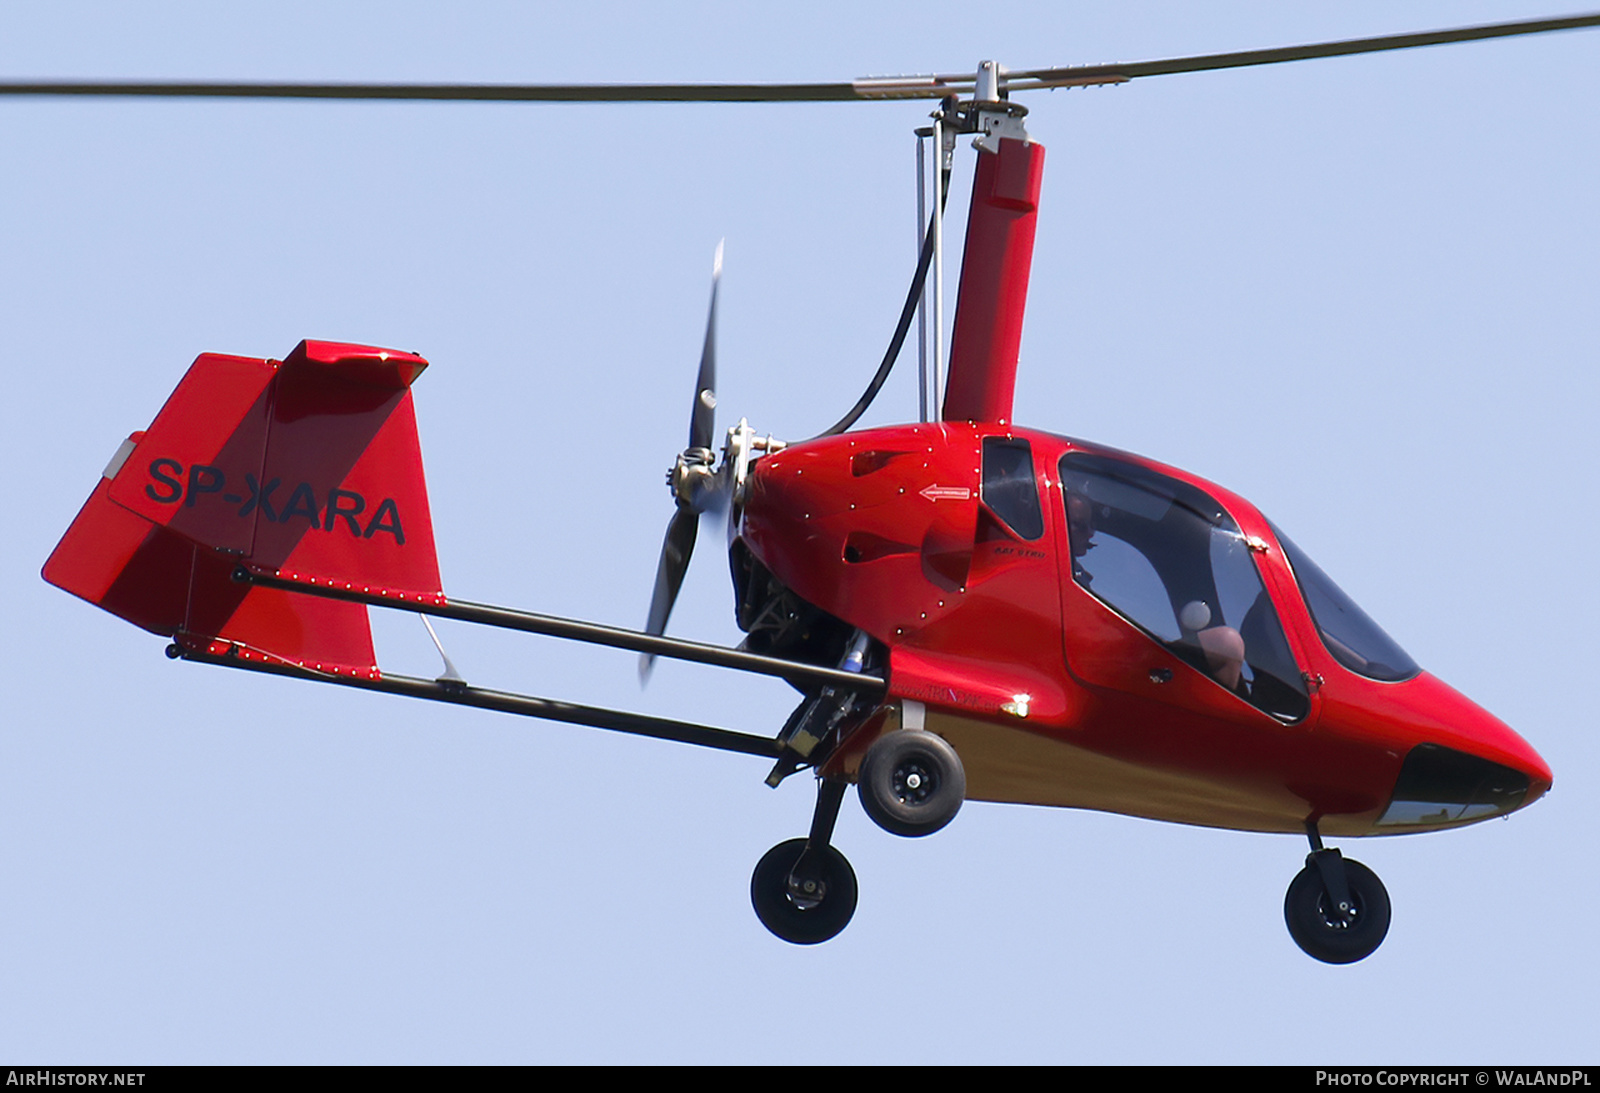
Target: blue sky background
column 1360, row 292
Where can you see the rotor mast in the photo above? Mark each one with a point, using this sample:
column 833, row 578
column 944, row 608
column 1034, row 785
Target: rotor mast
column 998, row 255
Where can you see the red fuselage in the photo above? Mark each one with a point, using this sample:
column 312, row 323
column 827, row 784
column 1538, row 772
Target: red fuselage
column 1063, row 688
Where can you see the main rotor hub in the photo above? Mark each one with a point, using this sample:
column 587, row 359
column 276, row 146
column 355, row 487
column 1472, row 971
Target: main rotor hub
column 986, row 88
column 989, row 113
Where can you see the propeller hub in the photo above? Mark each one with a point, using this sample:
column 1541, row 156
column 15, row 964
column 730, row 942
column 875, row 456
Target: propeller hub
column 691, row 474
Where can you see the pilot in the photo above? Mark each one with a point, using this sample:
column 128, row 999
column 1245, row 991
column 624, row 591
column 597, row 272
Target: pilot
column 1080, row 533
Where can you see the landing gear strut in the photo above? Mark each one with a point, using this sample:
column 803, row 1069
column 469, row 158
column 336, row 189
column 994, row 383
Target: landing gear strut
column 804, row 890
column 1337, row 910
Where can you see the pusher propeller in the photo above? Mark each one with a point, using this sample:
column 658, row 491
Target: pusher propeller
column 697, row 487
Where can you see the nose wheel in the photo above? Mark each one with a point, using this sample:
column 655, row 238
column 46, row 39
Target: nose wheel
column 804, row 897
column 804, row 890
column 1337, row 910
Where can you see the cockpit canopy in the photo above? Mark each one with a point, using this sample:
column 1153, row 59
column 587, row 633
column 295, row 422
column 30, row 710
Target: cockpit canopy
column 1168, row 557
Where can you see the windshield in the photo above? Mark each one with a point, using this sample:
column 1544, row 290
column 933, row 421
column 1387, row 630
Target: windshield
column 1349, row 633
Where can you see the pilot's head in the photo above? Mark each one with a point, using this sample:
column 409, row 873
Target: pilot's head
column 1080, row 523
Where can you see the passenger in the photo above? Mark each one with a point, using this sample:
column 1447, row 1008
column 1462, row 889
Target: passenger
column 1223, row 646
column 1224, row 650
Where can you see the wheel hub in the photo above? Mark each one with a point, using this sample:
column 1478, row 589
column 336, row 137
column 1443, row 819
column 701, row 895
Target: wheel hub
column 1341, row 916
column 914, row 783
column 807, row 893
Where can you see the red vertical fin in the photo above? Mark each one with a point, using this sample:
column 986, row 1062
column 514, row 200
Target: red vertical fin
column 311, row 466
column 994, row 283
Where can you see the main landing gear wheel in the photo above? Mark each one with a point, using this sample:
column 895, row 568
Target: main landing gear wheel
column 911, row 782
column 808, row 904
column 1324, row 930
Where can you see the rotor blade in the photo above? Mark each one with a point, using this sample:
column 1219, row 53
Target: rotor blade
column 703, row 416
column 675, row 551
column 873, row 87
column 446, row 92
column 1023, row 80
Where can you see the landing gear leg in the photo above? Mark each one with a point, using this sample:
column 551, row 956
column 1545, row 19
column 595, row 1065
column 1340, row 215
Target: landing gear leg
column 1337, row 910
column 804, row 890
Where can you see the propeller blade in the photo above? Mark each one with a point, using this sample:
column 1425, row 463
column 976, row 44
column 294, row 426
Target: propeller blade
column 703, row 415
column 704, row 491
column 675, row 551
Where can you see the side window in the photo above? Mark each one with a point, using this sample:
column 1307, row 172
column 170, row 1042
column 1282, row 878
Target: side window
column 1009, row 487
column 1170, row 560
column 1125, row 579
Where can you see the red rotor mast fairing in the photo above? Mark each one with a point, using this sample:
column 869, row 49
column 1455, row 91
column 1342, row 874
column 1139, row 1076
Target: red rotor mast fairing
column 995, row 265
column 968, row 609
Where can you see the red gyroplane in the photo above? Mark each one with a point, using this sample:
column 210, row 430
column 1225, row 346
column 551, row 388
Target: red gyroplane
column 969, row 609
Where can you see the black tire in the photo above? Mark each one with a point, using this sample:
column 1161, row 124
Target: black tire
column 801, row 921
column 911, row 782
column 1324, row 934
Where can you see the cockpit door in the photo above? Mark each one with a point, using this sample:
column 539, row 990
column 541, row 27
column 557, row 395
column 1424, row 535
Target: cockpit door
column 1163, row 597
